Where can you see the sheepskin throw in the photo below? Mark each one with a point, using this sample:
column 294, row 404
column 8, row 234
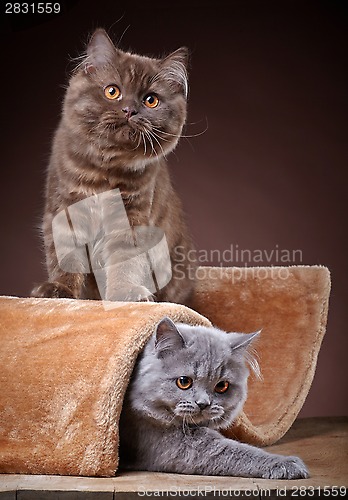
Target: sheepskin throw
column 65, row 364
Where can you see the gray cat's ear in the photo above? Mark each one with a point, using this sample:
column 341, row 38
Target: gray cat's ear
column 100, row 51
column 243, row 340
column 174, row 69
column 168, row 337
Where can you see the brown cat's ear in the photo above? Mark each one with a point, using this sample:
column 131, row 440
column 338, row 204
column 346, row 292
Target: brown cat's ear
column 100, row 51
column 174, row 68
column 179, row 55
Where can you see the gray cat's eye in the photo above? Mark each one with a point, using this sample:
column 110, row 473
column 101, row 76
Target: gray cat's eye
column 222, row 387
column 184, row 383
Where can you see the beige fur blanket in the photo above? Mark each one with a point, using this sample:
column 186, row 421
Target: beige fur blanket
column 65, row 364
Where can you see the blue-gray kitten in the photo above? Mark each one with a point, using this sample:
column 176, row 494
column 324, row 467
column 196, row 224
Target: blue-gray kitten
column 189, row 383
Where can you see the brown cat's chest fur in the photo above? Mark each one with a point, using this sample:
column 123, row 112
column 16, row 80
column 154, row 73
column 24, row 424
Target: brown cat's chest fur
column 145, row 190
column 145, row 194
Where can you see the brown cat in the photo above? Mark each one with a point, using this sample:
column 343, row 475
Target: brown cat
column 122, row 114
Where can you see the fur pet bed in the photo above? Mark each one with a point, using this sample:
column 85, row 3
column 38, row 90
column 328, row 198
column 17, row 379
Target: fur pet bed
column 65, row 364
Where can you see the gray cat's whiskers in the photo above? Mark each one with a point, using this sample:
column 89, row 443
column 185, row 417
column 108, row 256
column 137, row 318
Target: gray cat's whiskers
column 183, row 425
column 252, row 360
column 193, row 421
column 174, row 417
column 219, row 419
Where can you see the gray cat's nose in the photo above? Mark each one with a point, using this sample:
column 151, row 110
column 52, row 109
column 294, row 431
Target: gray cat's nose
column 129, row 112
column 202, row 404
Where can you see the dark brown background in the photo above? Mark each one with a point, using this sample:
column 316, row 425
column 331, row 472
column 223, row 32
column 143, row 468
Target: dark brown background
column 268, row 78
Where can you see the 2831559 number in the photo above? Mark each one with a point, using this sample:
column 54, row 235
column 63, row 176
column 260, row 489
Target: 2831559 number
column 320, row 491
column 32, row 8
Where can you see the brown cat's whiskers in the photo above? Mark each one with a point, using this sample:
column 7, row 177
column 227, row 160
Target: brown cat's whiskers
column 179, row 135
column 151, row 143
column 154, row 137
column 142, row 135
column 149, row 134
column 159, row 137
column 138, row 143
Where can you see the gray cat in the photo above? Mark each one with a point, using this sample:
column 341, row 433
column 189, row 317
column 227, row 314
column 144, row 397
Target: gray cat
column 189, row 383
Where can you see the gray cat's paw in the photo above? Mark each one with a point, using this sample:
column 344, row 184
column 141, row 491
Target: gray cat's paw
column 287, row 468
column 52, row 290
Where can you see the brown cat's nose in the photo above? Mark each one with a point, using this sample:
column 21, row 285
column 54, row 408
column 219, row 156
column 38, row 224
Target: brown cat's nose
column 202, row 405
column 129, row 112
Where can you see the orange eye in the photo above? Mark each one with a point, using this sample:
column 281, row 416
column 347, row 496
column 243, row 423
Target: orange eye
column 112, row 92
column 184, row 383
column 151, row 101
column 222, row 387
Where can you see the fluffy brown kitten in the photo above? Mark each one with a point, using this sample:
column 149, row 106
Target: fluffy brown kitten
column 122, row 114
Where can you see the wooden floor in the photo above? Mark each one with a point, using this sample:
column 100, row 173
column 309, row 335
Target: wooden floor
column 321, row 442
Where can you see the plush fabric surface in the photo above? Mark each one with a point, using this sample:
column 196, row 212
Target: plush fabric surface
column 290, row 304
column 65, row 364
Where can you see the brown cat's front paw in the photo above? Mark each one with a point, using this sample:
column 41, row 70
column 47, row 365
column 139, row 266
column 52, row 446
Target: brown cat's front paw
column 287, row 468
column 53, row 290
column 130, row 294
column 140, row 294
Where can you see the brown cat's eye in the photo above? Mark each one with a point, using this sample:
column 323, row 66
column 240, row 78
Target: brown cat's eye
column 184, row 383
column 112, row 92
column 151, row 101
column 222, row 387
